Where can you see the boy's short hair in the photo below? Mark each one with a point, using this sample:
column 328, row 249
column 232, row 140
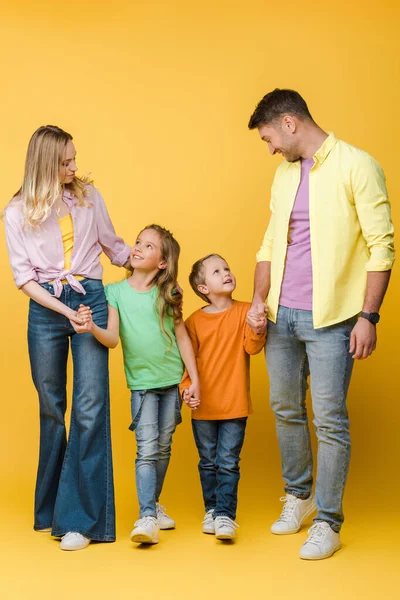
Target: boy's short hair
column 196, row 276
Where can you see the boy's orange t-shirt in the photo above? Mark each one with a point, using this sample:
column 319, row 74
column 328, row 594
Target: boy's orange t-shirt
column 222, row 344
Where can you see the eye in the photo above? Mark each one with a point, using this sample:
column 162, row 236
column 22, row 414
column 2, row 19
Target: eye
column 149, row 246
column 216, row 271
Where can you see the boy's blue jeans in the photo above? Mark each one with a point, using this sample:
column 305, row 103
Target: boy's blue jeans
column 155, row 415
column 295, row 350
column 219, row 444
column 74, row 487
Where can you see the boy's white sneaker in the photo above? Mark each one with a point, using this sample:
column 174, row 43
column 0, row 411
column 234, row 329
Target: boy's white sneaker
column 225, row 528
column 208, row 522
column 293, row 514
column 322, row 542
column 164, row 520
column 74, row 541
column 145, row 531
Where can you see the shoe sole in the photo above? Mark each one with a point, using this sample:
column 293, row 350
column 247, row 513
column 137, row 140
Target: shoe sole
column 310, row 511
column 322, row 556
column 166, row 528
column 225, row 536
column 142, row 538
column 208, row 532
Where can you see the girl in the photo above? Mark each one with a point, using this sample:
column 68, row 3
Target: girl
column 57, row 227
column 145, row 311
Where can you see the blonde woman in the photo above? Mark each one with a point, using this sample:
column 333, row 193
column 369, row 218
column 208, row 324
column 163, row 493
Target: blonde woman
column 57, row 226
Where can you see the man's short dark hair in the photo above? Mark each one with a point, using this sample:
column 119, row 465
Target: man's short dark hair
column 278, row 103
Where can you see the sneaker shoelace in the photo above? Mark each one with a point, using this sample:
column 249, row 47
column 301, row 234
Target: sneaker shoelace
column 317, row 533
column 227, row 522
column 161, row 511
column 288, row 507
column 146, row 522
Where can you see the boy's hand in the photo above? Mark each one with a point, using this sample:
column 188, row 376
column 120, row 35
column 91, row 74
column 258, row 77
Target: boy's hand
column 85, row 315
column 191, row 396
column 257, row 321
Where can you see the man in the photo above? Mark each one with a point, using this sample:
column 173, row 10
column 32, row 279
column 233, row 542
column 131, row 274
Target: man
column 325, row 265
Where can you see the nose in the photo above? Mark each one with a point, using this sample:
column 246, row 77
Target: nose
column 74, row 167
column 271, row 149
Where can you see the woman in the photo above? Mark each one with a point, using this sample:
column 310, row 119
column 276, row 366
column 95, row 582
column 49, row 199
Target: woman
column 57, row 225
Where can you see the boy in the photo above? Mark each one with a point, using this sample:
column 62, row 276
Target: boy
column 222, row 341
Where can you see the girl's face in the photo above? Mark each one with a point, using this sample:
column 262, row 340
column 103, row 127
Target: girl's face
column 68, row 166
column 146, row 253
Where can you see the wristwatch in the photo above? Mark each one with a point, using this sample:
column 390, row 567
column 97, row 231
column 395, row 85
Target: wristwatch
column 371, row 317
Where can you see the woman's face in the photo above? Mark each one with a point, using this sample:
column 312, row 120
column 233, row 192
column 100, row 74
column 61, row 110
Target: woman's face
column 68, row 165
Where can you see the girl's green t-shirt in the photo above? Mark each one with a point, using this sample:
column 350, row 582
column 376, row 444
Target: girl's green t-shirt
column 150, row 359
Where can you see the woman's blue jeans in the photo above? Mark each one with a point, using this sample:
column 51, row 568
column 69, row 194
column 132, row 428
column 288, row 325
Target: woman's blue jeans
column 74, row 487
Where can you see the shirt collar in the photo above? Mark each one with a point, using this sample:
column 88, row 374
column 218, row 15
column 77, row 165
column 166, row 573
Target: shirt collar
column 69, row 197
column 325, row 149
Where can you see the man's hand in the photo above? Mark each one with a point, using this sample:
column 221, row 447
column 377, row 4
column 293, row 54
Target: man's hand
column 256, row 317
column 362, row 339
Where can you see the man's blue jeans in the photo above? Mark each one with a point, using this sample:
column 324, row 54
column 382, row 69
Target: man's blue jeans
column 295, row 350
column 155, row 415
column 74, row 487
column 219, row 444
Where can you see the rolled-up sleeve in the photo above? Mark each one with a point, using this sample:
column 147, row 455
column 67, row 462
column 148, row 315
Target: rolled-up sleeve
column 21, row 266
column 265, row 251
column 374, row 214
column 113, row 246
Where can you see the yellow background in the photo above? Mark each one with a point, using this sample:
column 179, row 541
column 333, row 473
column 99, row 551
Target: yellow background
column 157, row 95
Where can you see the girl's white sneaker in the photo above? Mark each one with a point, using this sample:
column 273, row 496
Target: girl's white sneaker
column 145, row 531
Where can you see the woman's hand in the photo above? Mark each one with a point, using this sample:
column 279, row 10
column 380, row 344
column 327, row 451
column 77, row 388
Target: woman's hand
column 83, row 321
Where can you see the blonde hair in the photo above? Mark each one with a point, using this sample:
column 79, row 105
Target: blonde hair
column 196, row 276
column 41, row 185
column 169, row 301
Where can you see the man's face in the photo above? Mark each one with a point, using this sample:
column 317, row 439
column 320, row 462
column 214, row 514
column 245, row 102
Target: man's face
column 281, row 139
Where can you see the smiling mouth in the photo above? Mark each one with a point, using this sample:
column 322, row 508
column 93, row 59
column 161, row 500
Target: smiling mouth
column 227, row 281
column 138, row 257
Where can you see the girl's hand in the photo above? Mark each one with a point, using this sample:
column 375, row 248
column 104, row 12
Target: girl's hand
column 191, row 396
column 84, row 320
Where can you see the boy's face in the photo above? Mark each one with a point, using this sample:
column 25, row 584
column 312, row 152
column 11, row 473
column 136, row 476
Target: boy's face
column 219, row 281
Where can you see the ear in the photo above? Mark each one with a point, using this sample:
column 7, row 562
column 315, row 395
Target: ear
column 203, row 289
column 289, row 124
column 162, row 265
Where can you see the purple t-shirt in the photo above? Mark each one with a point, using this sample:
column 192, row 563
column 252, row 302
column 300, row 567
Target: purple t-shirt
column 296, row 290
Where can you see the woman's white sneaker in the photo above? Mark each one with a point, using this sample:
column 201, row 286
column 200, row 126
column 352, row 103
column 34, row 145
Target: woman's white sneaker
column 164, row 520
column 293, row 514
column 225, row 528
column 145, row 531
column 208, row 522
column 74, row 541
column 322, row 542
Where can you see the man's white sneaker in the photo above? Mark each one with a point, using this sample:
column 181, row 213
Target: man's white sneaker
column 74, row 541
column 164, row 521
column 225, row 528
column 322, row 542
column 293, row 514
column 208, row 522
column 145, row 531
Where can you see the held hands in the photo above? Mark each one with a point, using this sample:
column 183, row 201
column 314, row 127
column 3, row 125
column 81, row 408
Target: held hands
column 84, row 322
column 362, row 339
column 257, row 317
column 191, row 396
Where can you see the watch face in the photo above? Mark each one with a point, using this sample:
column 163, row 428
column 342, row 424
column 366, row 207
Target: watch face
column 371, row 317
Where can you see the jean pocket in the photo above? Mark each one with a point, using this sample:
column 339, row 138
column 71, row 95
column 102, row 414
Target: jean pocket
column 137, row 399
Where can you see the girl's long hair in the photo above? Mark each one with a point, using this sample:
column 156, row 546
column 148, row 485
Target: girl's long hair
column 41, row 185
column 169, row 297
